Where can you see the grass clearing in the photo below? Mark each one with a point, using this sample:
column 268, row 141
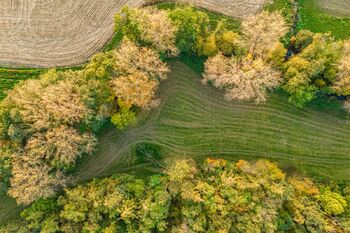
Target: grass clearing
column 195, row 121
column 315, row 19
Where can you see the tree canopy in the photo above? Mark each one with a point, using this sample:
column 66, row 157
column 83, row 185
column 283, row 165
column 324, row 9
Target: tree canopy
column 217, row 196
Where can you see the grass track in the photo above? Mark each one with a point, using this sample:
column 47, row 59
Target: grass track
column 195, row 121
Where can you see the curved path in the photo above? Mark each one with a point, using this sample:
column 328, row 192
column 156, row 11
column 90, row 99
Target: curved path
column 47, row 33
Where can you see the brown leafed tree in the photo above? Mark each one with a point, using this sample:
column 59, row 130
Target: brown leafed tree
column 60, row 146
column 32, row 179
column 135, row 89
column 263, row 31
column 63, row 103
column 131, row 58
column 245, row 79
column 44, row 103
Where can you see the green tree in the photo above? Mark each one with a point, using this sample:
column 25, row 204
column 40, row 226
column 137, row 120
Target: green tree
column 123, row 117
column 311, row 71
column 192, row 28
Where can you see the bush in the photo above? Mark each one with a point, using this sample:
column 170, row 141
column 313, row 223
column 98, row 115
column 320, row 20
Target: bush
column 147, row 151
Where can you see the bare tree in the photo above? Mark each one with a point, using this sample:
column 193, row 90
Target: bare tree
column 60, row 146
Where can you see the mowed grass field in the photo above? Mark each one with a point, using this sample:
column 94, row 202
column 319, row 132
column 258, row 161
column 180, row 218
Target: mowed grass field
column 195, row 121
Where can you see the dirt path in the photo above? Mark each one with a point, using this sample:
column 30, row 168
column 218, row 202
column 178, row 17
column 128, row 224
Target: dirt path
column 47, row 33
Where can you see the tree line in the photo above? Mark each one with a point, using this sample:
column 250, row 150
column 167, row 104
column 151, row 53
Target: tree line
column 216, row 196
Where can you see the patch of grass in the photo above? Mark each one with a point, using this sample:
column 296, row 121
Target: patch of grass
column 10, row 77
column 314, row 19
column 114, row 42
column 195, row 121
column 9, row 211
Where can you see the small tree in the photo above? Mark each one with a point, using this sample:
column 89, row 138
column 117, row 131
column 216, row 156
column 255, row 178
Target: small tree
column 342, row 84
column 313, row 69
column 231, row 43
column 192, row 28
column 124, row 116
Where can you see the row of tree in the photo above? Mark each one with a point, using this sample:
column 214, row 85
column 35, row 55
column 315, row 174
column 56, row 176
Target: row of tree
column 249, row 63
column 47, row 123
column 218, row 196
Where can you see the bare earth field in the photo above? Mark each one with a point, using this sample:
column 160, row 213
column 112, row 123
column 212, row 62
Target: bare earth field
column 47, row 33
column 336, row 7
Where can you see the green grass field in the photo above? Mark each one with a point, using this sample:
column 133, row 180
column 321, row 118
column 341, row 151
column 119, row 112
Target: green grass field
column 194, row 121
column 317, row 15
column 316, row 19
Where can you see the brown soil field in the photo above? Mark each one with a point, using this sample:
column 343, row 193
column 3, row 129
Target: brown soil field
column 52, row 33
